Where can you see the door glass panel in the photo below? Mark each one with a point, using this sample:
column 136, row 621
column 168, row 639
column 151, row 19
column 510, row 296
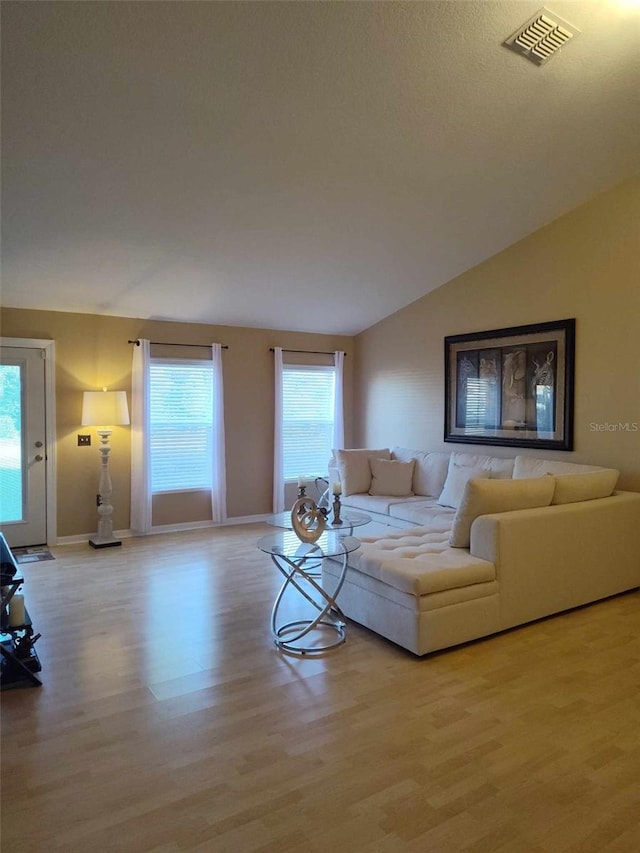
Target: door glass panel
column 11, row 467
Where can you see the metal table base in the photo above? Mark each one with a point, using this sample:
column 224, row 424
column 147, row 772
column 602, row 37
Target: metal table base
column 289, row 635
column 298, row 563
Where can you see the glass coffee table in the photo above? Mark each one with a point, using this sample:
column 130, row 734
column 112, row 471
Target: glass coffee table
column 350, row 518
column 294, row 559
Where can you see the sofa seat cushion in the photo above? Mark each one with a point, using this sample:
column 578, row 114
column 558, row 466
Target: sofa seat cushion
column 423, row 512
column 368, row 585
column 421, row 562
column 376, row 503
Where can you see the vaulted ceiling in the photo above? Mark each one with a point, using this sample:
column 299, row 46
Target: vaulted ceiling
column 312, row 166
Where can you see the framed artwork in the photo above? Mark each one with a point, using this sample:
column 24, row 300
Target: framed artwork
column 512, row 387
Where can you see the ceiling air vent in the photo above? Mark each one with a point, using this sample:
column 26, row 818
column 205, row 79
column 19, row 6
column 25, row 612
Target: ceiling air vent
column 541, row 37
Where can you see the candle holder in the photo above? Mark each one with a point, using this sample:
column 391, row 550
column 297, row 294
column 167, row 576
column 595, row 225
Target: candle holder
column 336, row 510
column 302, row 493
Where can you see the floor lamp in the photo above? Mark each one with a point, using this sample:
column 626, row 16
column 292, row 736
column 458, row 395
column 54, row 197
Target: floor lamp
column 105, row 409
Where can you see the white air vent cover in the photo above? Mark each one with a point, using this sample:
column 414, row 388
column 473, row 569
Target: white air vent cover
column 541, row 37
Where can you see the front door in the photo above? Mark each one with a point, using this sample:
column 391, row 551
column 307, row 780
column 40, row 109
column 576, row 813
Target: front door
column 23, row 443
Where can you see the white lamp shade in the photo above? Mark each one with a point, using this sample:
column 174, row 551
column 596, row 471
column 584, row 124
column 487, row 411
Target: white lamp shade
column 105, row 408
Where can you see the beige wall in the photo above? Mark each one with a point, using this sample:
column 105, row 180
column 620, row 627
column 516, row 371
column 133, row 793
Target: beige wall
column 584, row 265
column 92, row 352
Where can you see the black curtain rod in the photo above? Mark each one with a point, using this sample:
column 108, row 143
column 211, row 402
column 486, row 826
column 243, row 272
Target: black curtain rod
column 307, row 351
column 171, row 344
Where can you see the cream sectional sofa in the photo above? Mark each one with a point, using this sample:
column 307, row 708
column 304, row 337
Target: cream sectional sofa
column 476, row 544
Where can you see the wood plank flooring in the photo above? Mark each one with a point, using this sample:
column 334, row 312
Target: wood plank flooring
column 168, row 721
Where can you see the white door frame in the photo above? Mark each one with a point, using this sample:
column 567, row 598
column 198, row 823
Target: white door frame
column 49, row 348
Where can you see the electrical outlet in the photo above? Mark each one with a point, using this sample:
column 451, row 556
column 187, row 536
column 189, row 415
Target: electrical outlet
column 84, row 441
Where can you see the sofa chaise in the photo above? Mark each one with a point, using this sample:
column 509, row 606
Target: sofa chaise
column 476, row 544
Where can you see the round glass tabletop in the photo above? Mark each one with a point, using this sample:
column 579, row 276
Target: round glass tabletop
column 285, row 543
column 350, row 518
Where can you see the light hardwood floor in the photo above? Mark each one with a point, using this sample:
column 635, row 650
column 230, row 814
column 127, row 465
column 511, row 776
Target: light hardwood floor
column 168, row 721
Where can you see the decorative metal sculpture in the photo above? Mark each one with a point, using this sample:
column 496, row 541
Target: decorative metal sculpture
column 307, row 520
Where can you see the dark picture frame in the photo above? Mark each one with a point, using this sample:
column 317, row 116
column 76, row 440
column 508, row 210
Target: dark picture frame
column 511, row 387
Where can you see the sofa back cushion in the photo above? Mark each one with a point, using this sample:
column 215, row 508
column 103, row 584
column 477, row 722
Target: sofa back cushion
column 457, row 478
column 390, row 477
column 355, row 473
column 498, row 467
column 531, row 466
column 482, row 497
column 429, row 471
column 571, row 488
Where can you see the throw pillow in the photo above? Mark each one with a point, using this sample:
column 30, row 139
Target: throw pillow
column 355, row 473
column 430, row 470
column 457, row 478
column 584, row 487
column 482, row 497
column 391, row 478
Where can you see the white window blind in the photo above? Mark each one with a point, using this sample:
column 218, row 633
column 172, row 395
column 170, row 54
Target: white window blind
column 307, row 419
column 181, row 419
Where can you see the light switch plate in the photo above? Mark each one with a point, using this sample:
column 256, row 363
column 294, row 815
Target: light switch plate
column 84, row 441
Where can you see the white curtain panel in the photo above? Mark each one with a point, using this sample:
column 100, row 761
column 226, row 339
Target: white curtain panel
column 338, row 409
column 278, row 462
column 219, row 480
column 140, row 449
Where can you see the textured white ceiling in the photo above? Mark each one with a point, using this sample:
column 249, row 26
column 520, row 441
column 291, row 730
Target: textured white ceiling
column 309, row 166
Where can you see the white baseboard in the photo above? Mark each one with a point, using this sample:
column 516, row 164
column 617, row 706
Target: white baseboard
column 199, row 525
column 249, row 519
column 167, row 528
column 84, row 537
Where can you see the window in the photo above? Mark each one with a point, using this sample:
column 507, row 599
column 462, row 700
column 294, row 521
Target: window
column 11, row 458
column 307, row 419
column 181, row 421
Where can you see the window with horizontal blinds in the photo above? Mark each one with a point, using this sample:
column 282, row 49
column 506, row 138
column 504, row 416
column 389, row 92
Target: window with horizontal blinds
column 181, row 424
column 307, row 419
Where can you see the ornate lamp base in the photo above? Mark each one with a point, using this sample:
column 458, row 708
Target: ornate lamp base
column 105, row 537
